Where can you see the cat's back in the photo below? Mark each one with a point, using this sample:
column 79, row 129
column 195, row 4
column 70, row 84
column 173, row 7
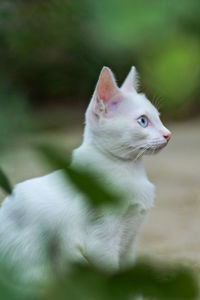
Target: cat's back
column 38, row 194
column 40, row 204
column 37, row 211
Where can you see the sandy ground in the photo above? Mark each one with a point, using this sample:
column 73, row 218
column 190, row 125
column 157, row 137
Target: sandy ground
column 172, row 230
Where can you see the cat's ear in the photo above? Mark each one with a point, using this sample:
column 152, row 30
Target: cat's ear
column 131, row 83
column 106, row 86
column 106, row 90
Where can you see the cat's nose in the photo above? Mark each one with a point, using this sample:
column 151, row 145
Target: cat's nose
column 167, row 136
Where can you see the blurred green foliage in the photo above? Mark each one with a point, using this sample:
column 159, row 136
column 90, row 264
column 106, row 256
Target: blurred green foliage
column 55, row 49
column 5, row 183
column 144, row 279
column 15, row 118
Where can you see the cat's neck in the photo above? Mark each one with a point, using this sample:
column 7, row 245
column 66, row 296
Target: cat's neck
column 89, row 154
column 129, row 176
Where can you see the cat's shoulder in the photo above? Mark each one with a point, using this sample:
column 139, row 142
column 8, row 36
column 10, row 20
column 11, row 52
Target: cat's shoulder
column 38, row 184
column 38, row 190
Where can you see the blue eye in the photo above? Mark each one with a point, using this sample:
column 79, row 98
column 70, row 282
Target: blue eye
column 143, row 121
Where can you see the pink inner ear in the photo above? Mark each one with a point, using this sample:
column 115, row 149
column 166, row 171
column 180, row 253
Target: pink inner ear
column 106, row 91
column 106, row 87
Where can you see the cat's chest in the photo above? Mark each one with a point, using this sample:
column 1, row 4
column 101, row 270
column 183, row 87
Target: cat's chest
column 109, row 238
column 135, row 187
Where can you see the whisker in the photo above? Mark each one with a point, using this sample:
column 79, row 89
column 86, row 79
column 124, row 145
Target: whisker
column 157, row 101
column 141, row 152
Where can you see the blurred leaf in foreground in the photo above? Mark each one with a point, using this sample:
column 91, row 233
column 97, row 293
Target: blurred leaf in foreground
column 83, row 283
column 146, row 279
column 4, row 182
column 82, row 179
column 157, row 281
column 7, row 292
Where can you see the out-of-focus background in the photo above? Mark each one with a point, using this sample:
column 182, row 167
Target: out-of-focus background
column 51, row 54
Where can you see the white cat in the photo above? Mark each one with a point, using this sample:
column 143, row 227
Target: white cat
column 121, row 126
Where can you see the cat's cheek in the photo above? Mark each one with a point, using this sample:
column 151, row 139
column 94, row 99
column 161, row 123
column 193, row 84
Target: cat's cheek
column 140, row 133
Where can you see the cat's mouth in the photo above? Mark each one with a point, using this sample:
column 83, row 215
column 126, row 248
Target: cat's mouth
column 153, row 148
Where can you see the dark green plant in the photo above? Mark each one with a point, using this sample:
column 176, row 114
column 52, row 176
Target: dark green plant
column 146, row 279
column 5, row 183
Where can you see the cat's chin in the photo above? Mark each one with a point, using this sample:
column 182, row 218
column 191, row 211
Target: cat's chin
column 155, row 148
column 142, row 151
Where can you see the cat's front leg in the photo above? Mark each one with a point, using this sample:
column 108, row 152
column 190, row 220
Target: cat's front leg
column 133, row 220
column 128, row 258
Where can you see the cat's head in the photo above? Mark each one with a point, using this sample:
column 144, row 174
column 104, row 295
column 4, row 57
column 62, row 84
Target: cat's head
column 122, row 121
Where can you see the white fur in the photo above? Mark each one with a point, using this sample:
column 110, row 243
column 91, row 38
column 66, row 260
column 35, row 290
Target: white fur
column 46, row 210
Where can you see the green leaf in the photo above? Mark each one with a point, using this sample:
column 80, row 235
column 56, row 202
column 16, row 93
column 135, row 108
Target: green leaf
column 83, row 283
column 7, row 292
column 160, row 282
column 146, row 279
column 5, row 183
column 85, row 181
